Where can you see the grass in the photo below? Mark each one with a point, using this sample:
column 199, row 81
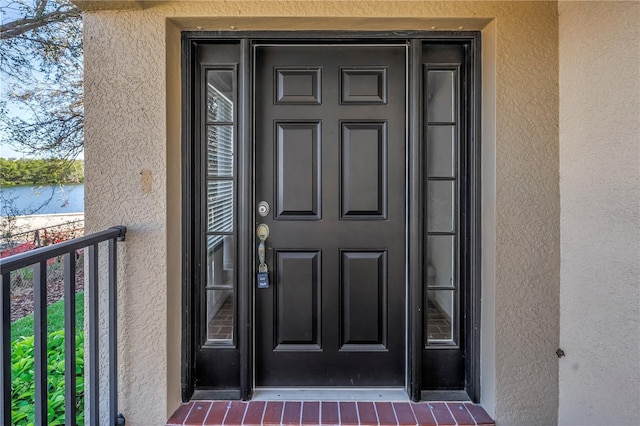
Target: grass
column 55, row 319
column 22, row 279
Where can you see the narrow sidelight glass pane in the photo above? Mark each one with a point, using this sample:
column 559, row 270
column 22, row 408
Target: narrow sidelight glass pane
column 220, row 150
column 440, row 315
column 220, row 206
column 440, row 261
column 441, row 96
column 220, row 288
column 220, row 96
column 440, row 206
column 441, row 158
column 220, row 316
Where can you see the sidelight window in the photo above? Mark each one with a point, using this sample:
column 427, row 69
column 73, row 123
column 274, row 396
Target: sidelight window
column 220, row 288
column 442, row 280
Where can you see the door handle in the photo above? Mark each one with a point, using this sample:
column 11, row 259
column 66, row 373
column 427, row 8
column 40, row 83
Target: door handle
column 262, row 232
column 261, row 251
column 263, row 272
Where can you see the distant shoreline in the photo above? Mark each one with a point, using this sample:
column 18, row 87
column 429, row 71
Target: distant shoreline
column 30, row 223
column 35, row 171
column 38, row 185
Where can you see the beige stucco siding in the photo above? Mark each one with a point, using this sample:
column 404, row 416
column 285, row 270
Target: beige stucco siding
column 600, row 189
column 132, row 133
column 125, row 154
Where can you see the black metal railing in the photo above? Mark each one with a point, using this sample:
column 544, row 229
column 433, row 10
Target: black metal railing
column 38, row 259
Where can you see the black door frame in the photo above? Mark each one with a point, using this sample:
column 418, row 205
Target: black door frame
column 191, row 241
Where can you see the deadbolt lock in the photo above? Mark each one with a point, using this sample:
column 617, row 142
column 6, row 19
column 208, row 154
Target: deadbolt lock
column 263, row 208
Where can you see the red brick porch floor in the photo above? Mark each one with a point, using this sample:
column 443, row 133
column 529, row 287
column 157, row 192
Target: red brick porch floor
column 329, row 413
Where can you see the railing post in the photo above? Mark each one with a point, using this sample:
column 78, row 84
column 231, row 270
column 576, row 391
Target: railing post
column 94, row 370
column 70, row 339
column 40, row 341
column 113, row 332
column 5, row 368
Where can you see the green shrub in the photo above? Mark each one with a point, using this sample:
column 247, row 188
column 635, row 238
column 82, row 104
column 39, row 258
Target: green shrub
column 35, row 171
column 22, row 366
column 23, row 385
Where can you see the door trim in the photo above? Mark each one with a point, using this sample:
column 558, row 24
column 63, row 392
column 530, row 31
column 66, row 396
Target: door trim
column 246, row 215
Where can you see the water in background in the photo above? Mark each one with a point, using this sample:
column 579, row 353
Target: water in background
column 54, row 199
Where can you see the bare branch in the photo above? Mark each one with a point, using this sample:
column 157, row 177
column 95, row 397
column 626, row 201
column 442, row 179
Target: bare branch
column 21, row 26
column 41, row 7
column 41, row 105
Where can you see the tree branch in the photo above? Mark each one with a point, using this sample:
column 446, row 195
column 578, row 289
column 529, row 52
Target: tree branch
column 41, row 110
column 41, row 7
column 21, row 26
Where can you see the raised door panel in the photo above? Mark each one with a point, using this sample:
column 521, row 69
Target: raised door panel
column 297, row 302
column 364, row 170
column 363, row 300
column 302, row 86
column 363, row 85
column 298, row 149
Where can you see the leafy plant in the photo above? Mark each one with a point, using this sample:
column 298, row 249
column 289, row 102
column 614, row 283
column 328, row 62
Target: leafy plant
column 23, row 385
column 23, row 362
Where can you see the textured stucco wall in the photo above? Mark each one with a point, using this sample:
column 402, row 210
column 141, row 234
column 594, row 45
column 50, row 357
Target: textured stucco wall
column 126, row 165
column 131, row 128
column 600, row 199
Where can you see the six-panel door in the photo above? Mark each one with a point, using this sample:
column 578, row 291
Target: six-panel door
column 330, row 137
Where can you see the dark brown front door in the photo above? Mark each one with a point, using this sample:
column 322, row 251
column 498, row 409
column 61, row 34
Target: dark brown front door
column 330, row 136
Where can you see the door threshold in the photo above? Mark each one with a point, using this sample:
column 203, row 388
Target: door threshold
column 445, row 395
column 330, row 394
